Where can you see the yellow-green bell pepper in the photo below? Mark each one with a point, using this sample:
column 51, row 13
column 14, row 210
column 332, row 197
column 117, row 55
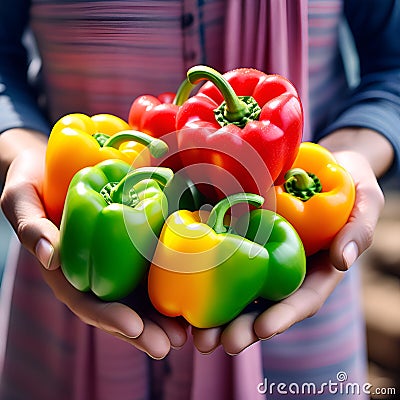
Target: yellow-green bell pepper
column 208, row 273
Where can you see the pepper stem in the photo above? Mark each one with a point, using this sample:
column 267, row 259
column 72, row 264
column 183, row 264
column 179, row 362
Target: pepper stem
column 235, row 109
column 157, row 147
column 120, row 194
column 217, row 214
column 302, row 184
column 183, row 92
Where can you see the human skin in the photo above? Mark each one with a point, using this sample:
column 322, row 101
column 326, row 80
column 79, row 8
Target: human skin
column 22, row 173
column 367, row 155
column 364, row 153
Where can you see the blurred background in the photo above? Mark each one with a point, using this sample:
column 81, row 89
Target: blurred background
column 5, row 234
column 381, row 299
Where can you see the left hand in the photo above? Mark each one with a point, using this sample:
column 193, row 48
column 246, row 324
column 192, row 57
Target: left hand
column 356, row 236
column 248, row 328
column 324, row 270
column 142, row 327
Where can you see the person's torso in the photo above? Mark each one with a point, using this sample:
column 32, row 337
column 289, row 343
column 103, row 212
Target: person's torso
column 99, row 55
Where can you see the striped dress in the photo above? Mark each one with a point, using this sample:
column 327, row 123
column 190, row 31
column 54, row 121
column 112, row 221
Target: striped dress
column 97, row 57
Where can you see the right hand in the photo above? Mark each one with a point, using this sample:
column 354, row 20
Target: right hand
column 21, row 203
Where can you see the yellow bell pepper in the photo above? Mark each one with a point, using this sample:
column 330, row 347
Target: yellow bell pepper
column 77, row 141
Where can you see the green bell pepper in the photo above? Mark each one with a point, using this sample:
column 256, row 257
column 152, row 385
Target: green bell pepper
column 208, row 273
column 110, row 226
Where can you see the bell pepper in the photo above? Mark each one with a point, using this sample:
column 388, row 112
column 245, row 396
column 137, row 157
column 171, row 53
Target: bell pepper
column 156, row 116
column 243, row 128
column 110, row 226
column 208, row 272
column 77, row 141
column 182, row 193
column 317, row 196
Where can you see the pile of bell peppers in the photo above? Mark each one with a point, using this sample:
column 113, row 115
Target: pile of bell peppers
column 210, row 200
column 77, row 141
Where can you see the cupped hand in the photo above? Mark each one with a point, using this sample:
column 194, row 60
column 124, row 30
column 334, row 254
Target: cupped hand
column 324, row 270
column 21, row 203
column 135, row 322
column 357, row 235
column 249, row 327
column 23, row 208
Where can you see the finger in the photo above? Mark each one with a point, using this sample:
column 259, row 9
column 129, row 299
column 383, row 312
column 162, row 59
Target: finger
column 175, row 329
column 21, row 205
column 239, row 334
column 115, row 318
column 320, row 281
column 206, row 340
column 357, row 235
column 153, row 341
column 112, row 317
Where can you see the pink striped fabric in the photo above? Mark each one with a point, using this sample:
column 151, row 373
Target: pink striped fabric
column 97, row 57
column 271, row 36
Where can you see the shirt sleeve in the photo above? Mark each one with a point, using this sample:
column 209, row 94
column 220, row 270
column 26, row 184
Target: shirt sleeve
column 18, row 99
column 375, row 102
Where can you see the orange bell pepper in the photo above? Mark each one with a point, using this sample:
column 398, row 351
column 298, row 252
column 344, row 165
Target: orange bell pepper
column 77, row 141
column 317, row 196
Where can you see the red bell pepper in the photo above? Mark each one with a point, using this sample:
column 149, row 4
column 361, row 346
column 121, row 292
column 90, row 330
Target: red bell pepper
column 156, row 116
column 243, row 129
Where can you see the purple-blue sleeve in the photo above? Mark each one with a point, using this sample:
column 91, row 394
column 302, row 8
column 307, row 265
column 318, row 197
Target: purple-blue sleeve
column 18, row 99
column 375, row 102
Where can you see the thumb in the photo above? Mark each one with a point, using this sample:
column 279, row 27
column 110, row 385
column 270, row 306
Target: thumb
column 357, row 235
column 22, row 206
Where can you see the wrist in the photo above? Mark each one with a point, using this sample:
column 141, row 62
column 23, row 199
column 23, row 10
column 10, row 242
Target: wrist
column 373, row 146
column 14, row 142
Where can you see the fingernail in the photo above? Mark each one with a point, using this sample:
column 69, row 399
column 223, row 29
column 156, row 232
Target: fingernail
column 240, row 351
column 157, row 358
column 130, row 332
column 44, row 252
column 269, row 337
column 128, row 335
column 177, row 347
column 350, row 254
column 205, row 353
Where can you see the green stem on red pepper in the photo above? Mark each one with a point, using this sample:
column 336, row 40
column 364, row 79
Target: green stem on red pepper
column 183, row 92
column 217, row 214
column 237, row 110
column 302, row 184
column 157, row 147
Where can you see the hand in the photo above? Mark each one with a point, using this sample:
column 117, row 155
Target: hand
column 149, row 332
column 22, row 206
column 357, row 235
column 248, row 328
column 366, row 154
column 324, row 268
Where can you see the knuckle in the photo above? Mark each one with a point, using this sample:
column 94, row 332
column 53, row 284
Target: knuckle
column 315, row 303
column 367, row 236
column 7, row 199
column 23, row 230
